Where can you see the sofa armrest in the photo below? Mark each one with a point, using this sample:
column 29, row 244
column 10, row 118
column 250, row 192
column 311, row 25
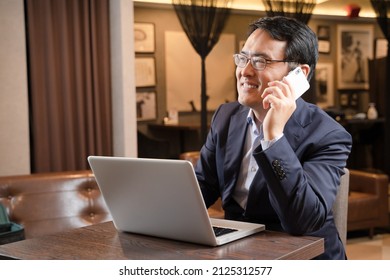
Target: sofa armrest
column 362, row 182
column 366, row 182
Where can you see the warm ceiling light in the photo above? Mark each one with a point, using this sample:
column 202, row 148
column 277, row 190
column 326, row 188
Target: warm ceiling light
column 256, row 5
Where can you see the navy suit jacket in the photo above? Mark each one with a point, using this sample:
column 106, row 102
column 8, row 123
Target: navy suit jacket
column 298, row 177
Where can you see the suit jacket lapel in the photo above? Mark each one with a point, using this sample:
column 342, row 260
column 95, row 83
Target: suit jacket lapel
column 295, row 127
column 233, row 155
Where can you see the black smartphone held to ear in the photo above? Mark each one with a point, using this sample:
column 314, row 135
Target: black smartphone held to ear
column 298, row 80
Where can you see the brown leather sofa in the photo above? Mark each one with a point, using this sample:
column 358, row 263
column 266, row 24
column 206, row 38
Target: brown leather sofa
column 46, row 203
column 367, row 201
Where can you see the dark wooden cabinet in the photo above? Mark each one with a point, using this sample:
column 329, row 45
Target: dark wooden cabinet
column 368, row 150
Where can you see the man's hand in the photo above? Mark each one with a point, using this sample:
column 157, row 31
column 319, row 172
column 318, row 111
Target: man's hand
column 279, row 98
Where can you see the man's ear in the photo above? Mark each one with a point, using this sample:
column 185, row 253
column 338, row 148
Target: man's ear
column 305, row 69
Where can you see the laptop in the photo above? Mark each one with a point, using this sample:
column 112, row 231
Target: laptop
column 161, row 198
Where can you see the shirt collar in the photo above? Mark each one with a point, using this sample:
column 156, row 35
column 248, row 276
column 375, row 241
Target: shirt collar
column 250, row 120
column 250, row 117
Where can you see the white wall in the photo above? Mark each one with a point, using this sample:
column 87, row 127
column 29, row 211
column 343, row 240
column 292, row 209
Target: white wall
column 14, row 126
column 123, row 78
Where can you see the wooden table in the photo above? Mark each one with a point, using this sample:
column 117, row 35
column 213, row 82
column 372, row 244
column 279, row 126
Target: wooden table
column 104, row 242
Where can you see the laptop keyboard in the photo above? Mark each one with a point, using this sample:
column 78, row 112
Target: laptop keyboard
column 218, row 231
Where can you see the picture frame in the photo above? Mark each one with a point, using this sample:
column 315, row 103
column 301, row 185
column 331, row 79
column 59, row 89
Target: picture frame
column 323, row 32
column 324, row 46
column 354, row 49
column 145, row 72
column 349, row 100
column 325, row 85
column 146, row 106
column 144, row 37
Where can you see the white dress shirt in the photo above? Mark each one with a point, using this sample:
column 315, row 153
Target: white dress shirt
column 249, row 167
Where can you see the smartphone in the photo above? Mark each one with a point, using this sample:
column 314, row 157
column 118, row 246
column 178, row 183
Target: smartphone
column 298, row 80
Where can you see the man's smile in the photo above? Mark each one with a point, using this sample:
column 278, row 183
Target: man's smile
column 249, row 85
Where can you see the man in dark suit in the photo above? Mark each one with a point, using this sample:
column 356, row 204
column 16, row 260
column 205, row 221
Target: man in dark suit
column 273, row 159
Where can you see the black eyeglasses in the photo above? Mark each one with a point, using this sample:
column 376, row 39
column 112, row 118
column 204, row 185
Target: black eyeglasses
column 258, row 62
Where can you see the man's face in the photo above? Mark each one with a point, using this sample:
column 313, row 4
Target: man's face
column 251, row 82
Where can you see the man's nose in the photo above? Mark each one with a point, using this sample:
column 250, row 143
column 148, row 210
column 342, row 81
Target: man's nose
column 248, row 69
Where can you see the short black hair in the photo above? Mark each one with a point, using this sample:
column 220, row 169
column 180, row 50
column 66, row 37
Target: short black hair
column 302, row 43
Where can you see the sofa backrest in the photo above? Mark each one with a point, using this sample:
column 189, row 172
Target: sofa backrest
column 46, row 203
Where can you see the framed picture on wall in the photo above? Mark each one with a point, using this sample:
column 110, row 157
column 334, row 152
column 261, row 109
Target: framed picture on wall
column 325, row 85
column 144, row 34
column 324, row 46
column 323, row 34
column 354, row 48
column 145, row 72
column 146, row 106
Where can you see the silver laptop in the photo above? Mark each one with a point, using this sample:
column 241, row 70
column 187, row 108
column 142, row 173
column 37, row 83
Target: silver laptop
column 161, row 198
